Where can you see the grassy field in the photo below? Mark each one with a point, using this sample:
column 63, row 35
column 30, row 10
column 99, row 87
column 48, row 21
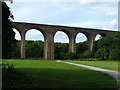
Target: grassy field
column 52, row 74
column 112, row 65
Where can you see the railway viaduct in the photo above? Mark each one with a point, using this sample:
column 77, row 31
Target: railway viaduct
column 49, row 31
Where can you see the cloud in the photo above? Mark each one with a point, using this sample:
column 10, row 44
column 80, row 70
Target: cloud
column 65, row 0
column 22, row 12
column 62, row 6
column 38, row 12
column 112, row 13
column 94, row 2
column 87, row 24
column 111, row 25
column 87, row 2
column 83, row 24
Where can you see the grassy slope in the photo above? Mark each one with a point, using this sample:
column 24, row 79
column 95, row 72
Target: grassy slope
column 51, row 74
column 112, row 65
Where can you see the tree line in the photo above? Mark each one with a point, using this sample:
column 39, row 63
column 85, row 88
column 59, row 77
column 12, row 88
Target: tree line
column 35, row 49
column 104, row 48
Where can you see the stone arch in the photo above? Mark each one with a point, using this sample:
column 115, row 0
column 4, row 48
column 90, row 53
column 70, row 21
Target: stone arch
column 82, row 35
column 17, row 29
column 35, row 35
column 87, row 35
column 64, row 32
column 39, row 29
column 37, row 32
column 17, row 34
column 90, row 39
column 81, row 39
column 49, row 32
column 103, row 34
column 63, row 40
column 99, row 35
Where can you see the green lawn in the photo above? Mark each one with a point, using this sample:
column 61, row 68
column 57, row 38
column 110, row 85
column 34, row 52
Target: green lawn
column 112, row 65
column 52, row 74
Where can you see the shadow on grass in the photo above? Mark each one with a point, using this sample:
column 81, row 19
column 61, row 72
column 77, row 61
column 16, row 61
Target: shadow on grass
column 58, row 78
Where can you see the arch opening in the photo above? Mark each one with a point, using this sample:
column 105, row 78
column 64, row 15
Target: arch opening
column 96, row 40
column 81, row 43
column 34, row 43
column 17, row 34
column 16, row 50
column 98, row 36
column 61, row 40
column 61, row 37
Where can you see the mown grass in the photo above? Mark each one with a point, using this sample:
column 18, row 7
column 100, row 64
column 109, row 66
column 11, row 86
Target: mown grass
column 51, row 74
column 108, row 64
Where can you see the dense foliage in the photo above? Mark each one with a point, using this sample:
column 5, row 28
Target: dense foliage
column 70, row 55
column 60, row 50
column 81, row 47
column 8, row 41
column 108, row 47
column 34, row 49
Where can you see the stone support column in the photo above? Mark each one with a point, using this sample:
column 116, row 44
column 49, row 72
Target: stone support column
column 72, row 42
column 49, row 46
column 23, row 47
column 91, row 42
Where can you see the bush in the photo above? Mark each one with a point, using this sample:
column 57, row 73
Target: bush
column 8, row 67
column 86, row 54
column 90, row 59
column 114, row 54
column 12, row 78
column 70, row 55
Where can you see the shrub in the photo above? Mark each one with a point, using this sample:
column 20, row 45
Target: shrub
column 114, row 54
column 70, row 55
column 8, row 67
column 90, row 59
column 12, row 78
column 86, row 54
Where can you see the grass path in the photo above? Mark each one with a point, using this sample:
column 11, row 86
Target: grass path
column 112, row 73
column 111, row 65
column 51, row 74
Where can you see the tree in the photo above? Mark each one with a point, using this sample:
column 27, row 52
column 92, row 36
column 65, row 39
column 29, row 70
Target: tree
column 60, row 50
column 8, row 34
column 34, row 49
column 81, row 47
column 16, row 51
column 109, row 47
